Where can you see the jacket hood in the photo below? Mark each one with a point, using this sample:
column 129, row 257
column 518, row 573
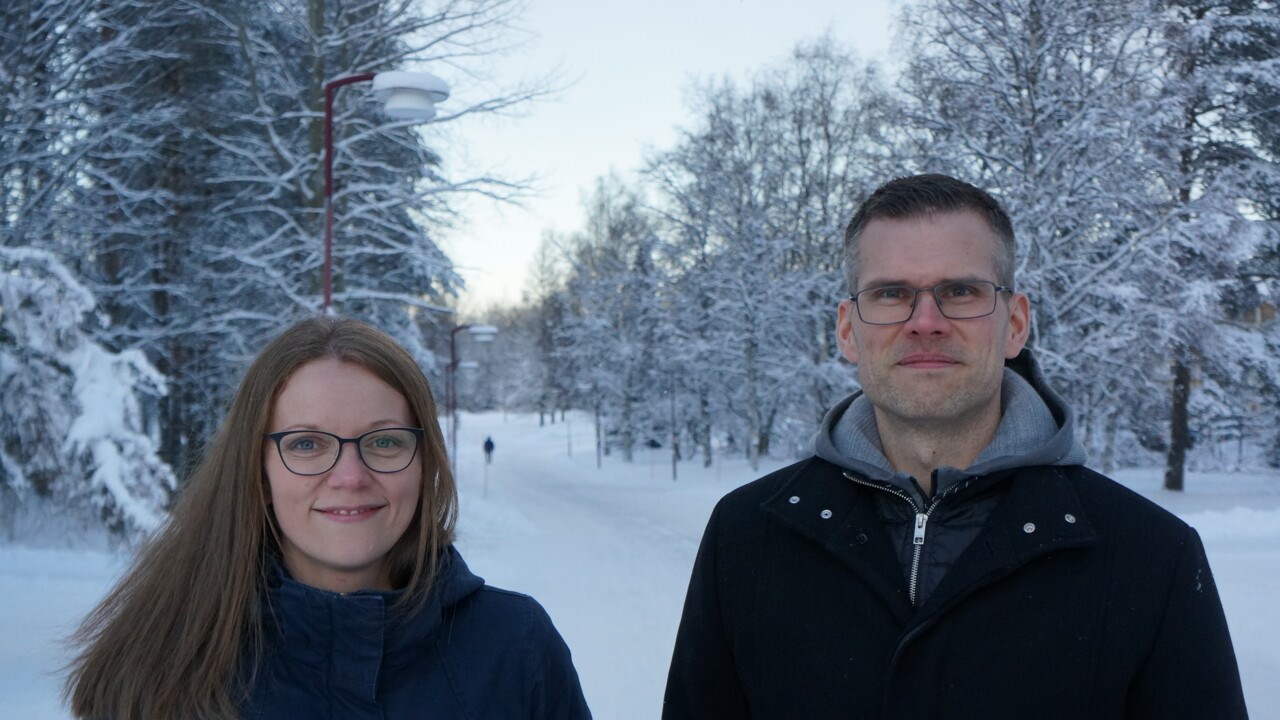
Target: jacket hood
column 1037, row 427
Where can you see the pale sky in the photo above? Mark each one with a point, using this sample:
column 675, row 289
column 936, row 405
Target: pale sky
column 631, row 65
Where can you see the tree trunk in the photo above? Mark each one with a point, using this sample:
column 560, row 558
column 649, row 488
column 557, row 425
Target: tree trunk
column 704, row 427
column 1179, row 425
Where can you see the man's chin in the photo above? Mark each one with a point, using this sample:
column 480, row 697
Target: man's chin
column 918, row 409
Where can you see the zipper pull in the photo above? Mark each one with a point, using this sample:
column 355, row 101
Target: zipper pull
column 921, row 520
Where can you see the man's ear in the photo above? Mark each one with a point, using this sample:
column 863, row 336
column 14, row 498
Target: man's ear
column 1019, row 325
column 846, row 316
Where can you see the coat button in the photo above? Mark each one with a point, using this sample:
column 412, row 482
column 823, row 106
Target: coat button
column 794, row 499
column 1029, row 528
column 826, row 514
column 862, row 538
column 1069, row 518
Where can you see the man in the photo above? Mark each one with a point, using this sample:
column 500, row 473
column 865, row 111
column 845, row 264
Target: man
column 945, row 554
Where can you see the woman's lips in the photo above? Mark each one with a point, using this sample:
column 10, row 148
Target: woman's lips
column 355, row 514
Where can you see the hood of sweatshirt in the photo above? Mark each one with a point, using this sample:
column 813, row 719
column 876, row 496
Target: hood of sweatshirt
column 1037, row 427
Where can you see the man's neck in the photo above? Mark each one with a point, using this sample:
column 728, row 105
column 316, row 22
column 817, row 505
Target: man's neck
column 919, row 449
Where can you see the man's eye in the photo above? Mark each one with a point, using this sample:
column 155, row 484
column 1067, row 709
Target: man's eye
column 960, row 291
column 889, row 294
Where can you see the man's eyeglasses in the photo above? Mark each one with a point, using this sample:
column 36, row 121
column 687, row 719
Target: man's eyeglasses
column 961, row 300
column 314, row 452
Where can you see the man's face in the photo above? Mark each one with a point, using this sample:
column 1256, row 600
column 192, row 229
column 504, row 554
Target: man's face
column 931, row 371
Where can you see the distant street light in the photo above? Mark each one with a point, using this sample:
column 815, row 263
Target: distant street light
column 404, row 96
column 478, row 333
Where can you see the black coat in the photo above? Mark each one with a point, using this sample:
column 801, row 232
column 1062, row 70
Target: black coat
column 474, row 652
column 1078, row 599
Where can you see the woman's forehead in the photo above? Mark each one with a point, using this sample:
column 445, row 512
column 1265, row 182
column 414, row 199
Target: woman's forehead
column 334, row 392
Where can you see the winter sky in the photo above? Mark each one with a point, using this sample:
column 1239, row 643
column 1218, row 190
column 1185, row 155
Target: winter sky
column 629, row 67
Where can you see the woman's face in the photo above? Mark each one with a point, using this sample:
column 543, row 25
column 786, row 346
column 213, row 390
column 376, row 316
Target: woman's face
column 338, row 526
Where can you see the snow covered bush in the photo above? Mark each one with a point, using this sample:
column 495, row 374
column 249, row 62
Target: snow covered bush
column 73, row 434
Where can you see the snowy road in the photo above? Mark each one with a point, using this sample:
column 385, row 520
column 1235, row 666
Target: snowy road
column 608, row 553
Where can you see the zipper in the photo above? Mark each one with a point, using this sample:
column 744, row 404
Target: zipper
column 921, row 523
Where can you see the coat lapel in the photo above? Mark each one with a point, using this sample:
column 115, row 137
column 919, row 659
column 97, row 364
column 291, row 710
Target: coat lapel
column 823, row 506
column 1040, row 514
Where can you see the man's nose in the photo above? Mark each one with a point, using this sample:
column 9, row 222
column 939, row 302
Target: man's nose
column 927, row 318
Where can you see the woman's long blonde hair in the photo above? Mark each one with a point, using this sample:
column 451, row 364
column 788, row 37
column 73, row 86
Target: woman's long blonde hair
column 180, row 635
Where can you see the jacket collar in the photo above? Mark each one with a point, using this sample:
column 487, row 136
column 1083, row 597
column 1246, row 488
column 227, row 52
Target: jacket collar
column 818, row 503
column 1039, row 514
column 353, row 636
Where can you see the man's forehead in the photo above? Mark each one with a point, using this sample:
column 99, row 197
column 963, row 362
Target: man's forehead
column 957, row 244
column 963, row 217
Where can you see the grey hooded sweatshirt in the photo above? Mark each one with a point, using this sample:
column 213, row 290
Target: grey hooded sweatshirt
column 1036, row 428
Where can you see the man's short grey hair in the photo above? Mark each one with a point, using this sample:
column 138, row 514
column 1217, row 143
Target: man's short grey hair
column 922, row 196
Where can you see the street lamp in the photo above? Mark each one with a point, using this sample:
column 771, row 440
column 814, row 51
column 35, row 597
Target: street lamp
column 404, row 96
column 478, row 333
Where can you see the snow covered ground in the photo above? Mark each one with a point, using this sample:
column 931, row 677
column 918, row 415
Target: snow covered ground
column 608, row 552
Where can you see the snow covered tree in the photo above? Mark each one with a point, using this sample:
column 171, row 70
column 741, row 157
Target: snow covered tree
column 610, row 334
column 754, row 199
column 1051, row 107
column 1221, row 71
column 73, row 434
column 707, row 315
column 172, row 153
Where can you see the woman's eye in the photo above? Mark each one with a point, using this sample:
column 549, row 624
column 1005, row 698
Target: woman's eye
column 306, row 444
column 384, row 442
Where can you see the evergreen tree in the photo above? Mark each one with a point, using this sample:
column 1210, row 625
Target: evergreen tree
column 1219, row 70
column 73, row 432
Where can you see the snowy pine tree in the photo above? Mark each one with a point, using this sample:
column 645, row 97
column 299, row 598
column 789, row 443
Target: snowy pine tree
column 73, row 434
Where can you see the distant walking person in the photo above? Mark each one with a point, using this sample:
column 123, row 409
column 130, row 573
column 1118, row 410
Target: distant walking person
column 488, row 450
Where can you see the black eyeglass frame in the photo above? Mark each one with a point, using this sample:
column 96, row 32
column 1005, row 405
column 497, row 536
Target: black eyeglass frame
column 915, row 300
column 276, row 437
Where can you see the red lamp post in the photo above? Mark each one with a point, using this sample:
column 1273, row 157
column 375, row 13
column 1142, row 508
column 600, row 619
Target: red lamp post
column 405, row 96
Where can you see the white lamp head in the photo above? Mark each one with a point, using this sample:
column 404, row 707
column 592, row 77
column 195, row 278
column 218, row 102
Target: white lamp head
column 482, row 333
column 409, row 95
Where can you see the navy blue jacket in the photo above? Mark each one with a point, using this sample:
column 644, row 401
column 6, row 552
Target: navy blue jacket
column 473, row 652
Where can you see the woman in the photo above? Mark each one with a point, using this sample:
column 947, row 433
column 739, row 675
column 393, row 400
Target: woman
column 308, row 571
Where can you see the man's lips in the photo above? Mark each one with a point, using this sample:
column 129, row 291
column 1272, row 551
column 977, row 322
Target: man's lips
column 349, row 513
column 927, row 361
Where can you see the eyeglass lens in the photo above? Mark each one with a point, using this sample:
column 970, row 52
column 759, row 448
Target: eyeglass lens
column 956, row 300
column 308, row 452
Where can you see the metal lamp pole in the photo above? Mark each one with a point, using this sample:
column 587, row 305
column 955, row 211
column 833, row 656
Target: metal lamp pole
column 453, row 398
column 330, row 89
column 478, row 333
column 405, row 96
